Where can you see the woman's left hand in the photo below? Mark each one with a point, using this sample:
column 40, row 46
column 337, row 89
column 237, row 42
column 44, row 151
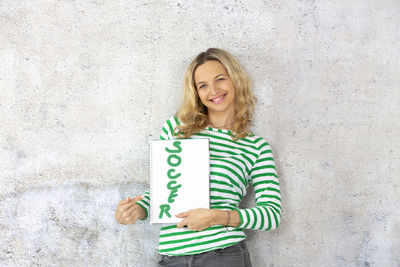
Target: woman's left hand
column 196, row 219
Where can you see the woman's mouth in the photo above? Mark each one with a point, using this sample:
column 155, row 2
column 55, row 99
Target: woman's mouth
column 218, row 99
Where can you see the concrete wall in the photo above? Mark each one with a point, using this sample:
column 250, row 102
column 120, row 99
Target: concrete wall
column 85, row 84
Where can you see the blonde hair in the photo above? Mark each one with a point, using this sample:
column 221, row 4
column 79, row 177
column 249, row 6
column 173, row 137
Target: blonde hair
column 193, row 114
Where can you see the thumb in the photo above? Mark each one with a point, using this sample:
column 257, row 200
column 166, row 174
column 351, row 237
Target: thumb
column 181, row 224
column 124, row 201
column 137, row 198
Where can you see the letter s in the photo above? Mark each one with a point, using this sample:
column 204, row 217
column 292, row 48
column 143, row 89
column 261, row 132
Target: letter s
column 177, row 144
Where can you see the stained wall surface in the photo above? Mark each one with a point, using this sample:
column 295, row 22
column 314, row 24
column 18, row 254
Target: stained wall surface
column 85, row 84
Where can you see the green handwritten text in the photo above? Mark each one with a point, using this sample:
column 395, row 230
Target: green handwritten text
column 173, row 160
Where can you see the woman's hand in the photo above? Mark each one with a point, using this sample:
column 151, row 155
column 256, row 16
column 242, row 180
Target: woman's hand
column 200, row 219
column 128, row 212
column 197, row 219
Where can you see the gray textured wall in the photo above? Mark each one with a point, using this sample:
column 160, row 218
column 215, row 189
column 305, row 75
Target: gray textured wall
column 85, row 84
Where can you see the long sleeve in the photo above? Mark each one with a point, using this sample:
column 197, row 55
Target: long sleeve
column 267, row 212
column 234, row 164
column 145, row 203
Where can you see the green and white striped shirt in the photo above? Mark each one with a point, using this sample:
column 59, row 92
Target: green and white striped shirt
column 233, row 166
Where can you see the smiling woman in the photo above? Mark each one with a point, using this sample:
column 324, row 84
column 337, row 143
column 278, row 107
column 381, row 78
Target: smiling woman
column 218, row 105
column 195, row 114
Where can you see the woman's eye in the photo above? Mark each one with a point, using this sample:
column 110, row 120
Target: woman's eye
column 221, row 79
column 202, row 86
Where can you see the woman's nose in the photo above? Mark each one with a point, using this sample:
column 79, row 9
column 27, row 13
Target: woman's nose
column 213, row 88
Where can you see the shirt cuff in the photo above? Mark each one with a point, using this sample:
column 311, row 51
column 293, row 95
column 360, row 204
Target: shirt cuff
column 145, row 204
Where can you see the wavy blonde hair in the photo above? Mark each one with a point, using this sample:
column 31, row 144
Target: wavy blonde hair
column 194, row 115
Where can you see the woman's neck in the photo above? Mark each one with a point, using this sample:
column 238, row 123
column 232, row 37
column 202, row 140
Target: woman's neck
column 224, row 120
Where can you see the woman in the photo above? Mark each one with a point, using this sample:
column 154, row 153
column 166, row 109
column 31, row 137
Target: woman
column 217, row 104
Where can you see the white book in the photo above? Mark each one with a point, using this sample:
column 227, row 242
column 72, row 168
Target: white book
column 179, row 178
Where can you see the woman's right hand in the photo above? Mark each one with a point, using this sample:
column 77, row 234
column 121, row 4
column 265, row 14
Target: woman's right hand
column 128, row 212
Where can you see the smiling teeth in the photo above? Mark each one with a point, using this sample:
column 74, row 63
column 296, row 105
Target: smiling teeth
column 217, row 99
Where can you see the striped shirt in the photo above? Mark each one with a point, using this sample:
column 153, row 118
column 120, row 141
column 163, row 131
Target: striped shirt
column 233, row 166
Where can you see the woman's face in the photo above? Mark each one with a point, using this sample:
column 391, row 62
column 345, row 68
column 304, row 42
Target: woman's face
column 215, row 88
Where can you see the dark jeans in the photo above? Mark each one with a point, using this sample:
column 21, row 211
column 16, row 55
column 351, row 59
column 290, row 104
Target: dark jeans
column 234, row 256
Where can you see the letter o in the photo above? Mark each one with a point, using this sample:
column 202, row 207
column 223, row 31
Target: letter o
column 177, row 160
